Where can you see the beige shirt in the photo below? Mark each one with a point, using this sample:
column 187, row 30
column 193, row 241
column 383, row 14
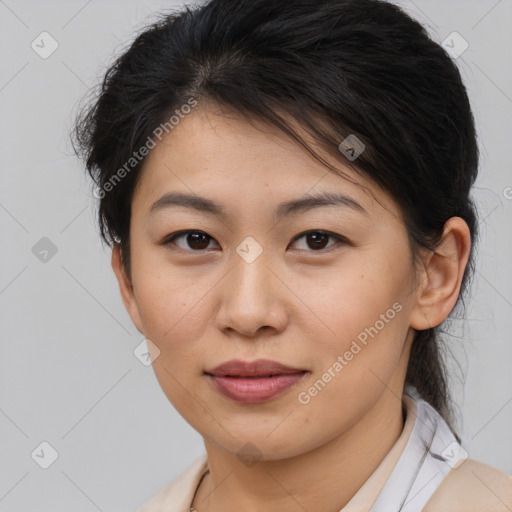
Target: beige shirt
column 472, row 486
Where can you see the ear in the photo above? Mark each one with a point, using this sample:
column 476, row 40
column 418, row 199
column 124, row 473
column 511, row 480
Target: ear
column 125, row 287
column 441, row 276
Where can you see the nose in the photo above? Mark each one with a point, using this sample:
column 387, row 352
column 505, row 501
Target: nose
column 252, row 299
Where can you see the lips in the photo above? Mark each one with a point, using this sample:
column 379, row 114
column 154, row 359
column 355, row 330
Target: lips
column 254, row 381
column 257, row 368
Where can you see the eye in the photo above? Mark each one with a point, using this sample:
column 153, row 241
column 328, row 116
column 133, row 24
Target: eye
column 196, row 240
column 317, row 240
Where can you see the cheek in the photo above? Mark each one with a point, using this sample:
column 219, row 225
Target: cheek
column 354, row 301
column 353, row 365
column 174, row 319
column 365, row 321
column 171, row 300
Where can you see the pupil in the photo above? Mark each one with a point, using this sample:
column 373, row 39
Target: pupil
column 197, row 240
column 317, row 239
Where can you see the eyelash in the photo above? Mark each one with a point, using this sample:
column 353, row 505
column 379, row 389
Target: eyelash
column 171, row 238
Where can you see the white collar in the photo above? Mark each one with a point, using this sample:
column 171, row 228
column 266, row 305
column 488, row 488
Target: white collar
column 429, row 455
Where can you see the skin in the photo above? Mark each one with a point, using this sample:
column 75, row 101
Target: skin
column 295, row 304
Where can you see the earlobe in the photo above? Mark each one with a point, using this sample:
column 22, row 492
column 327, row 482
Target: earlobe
column 441, row 277
column 125, row 287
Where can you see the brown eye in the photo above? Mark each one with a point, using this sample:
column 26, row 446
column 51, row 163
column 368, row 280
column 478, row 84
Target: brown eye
column 196, row 240
column 318, row 240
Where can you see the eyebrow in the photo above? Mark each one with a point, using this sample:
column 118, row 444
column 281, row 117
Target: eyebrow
column 293, row 207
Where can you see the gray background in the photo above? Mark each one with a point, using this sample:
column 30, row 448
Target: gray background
column 68, row 375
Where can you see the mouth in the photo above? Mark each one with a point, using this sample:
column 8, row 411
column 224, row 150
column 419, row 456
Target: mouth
column 259, row 368
column 252, row 376
column 254, row 382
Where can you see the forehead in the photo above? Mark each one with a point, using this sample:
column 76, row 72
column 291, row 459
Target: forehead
column 220, row 153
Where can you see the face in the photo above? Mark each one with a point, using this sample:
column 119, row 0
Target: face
column 260, row 268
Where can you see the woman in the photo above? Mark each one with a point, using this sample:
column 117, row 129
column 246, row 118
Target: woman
column 286, row 189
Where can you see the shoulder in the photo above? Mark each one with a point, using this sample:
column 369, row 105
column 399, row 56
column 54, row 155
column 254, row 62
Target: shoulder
column 472, row 486
column 177, row 495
